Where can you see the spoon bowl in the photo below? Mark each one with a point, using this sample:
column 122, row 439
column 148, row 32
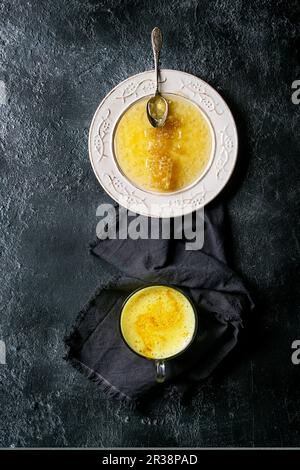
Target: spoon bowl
column 157, row 110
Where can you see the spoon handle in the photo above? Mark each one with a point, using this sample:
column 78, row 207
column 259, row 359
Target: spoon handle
column 156, row 39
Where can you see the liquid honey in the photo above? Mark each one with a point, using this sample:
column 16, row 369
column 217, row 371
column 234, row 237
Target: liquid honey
column 163, row 159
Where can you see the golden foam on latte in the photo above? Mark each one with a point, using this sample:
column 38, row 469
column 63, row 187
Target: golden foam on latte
column 158, row 322
column 168, row 158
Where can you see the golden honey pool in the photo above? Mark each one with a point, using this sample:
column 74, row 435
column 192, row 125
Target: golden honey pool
column 165, row 159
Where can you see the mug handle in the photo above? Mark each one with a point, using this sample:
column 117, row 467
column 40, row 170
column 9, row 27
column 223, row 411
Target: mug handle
column 160, row 367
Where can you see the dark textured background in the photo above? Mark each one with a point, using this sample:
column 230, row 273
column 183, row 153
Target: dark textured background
column 58, row 59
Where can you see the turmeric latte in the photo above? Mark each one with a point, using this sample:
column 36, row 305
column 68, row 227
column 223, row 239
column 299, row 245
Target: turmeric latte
column 158, row 322
column 168, row 158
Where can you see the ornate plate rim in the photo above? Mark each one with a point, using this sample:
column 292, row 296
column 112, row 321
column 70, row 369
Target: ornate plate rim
column 182, row 206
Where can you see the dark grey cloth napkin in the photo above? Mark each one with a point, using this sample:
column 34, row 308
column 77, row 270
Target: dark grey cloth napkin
column 95, row 346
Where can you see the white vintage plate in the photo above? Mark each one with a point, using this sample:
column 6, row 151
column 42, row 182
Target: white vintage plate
column 101, row 148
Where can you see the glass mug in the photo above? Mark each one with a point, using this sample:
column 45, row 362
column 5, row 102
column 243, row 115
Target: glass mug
column 158, row 322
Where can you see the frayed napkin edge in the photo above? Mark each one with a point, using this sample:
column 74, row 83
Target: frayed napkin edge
column 106, row 387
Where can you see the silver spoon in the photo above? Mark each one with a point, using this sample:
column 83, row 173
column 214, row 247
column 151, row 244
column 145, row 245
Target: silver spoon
column 157, row 106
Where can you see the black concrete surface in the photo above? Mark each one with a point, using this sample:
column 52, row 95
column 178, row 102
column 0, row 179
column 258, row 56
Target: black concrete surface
column 58, row 59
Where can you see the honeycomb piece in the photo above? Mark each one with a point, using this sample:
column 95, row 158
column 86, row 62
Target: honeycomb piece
column 160, row 144
column 160, row 171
